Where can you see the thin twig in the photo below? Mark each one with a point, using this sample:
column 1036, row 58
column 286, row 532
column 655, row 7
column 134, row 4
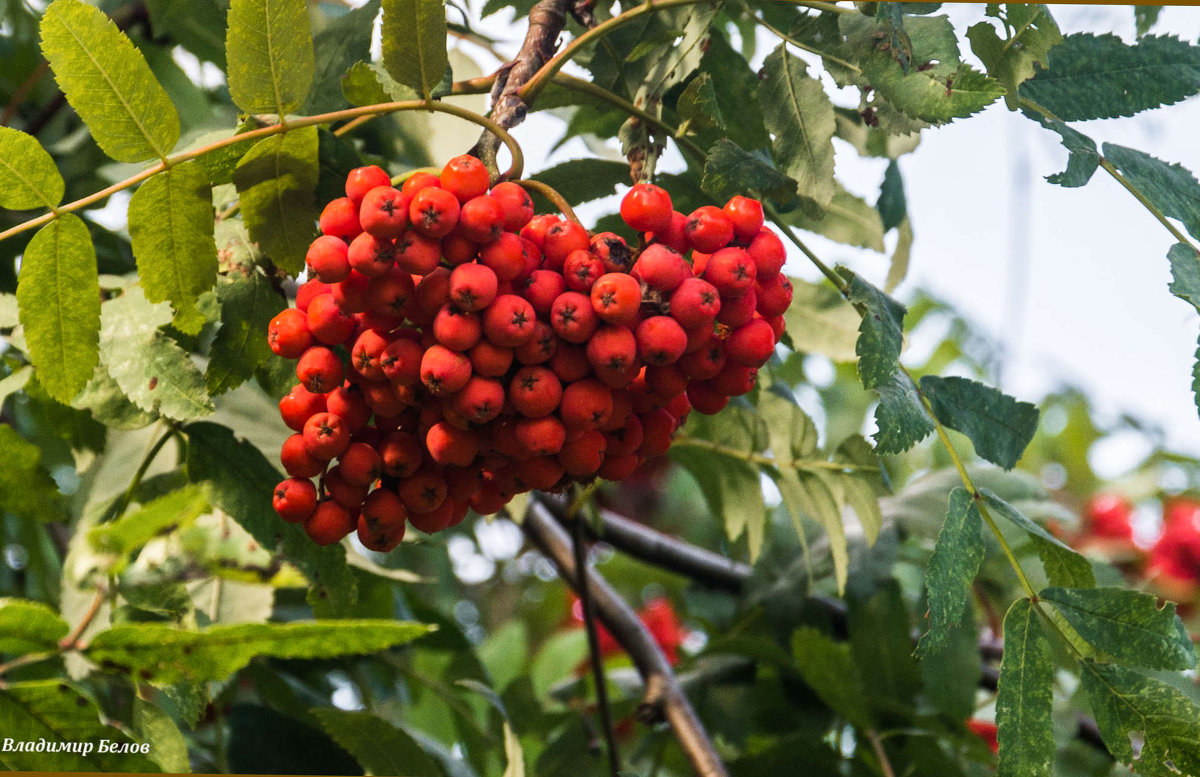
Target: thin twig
column 664, row 697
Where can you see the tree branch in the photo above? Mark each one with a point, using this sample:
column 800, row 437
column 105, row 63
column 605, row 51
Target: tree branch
column 664, row 697
column 546, row 22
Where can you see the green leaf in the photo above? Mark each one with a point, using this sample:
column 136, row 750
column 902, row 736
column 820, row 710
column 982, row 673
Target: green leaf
column 240, row 347
column 170, row 655
column 820, row 321
column 828, row 668
column 339, row 45
column 1128, row 625
column 999, row 426
column 584, row 180
column 154, row 372
column 1129, row 705
column 733, row 79
column 171, row 233
column 378, row 746
column 241, row 482
column 26, row 488
column 881, row 333
column 874, row 140
column 697, row 106
column 67, row 721
column 892, row 206
column 798, row 113
column 197, row 25
column 1168, row 186
column 108, row 83
column 269, row 51
column 733, row 490
column 513, row 753
column 414, row 43
column 952, row 568
column 368, row 84
column 1083, row 159
column 1015, row 59
column 29, row 627
column 277, row 180
column 898, row 268
column 1185, row 273
column 673, row 60
column 847, row 219
column 28, row 176
column 130, row 532
column 58, row 292
column 1025, row 696
column 1145, row 17
column 168, row 748
column 730, row 170
column 1064, row 566
column 103, row 398
column 1101, row 77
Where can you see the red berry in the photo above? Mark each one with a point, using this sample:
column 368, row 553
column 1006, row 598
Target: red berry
column 365, row 354
column 540, row 348
column 732, row 271
column 706, row 399
column 581, row 269
column 384, row 212
column 573, row 317
column 543, row 436
column 296, row 459
column 423, row 491
column 472, row 286
column 586, row 404
column 481, row 219
column 766, row 249
column 647, row 208
column 360, row 464
column 401, row 454
column 288, row 334
column 517, row 204
column 583, row 455
column 434, row 212
column 695, row 303
column 328, row 322
column 450, row 445
column 560, row 240
column 489, row 359
column 736, row 312
column 661, row 268
column 455, row 329
column 371, row 256
column 660, row 340
column 325, row 436
column 772, row 295
column 535, row 391
column 505, row 256
column 327, row 259
column 350, row 404
column 708, row 229
column 752, row 344
column 401, row 362
column 340, row 219
column 480, row 400
column 746, row 215
column 542, row 288
column 616, row 298
column 443, row 371
column 308, row 291
column 509, row 321
column 295, row 499
column 416, row 253
column 298, row 405
column 418, row 181
column 465, row 177
column 329, row 523
column 351, row 294
column 612, row 350
column 361, row 180
column 612, row 249
column 391, row 294
column 320, row 371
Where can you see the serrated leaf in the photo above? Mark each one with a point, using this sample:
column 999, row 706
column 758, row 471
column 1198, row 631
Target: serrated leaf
column 277, row 181
column 900, row 417
column 368, row 84
column 1145, row 17
column 58, row 293
column 28, row 176
column 846, row 219
column 269, row 55
column 1185, row 273
column 108, row 83
column 584, row 180
column 1169, row 187
column 26, row 488
column 103, row 398
column 881, row 333
column 697, row 106
column 154, row 372
column 1128, row 625
column 1014, row 60
column 730, row 170
column 999, row 426
column 1064, row 566
column 168, row 748
column 813, row 494
column 240, row 347
column 733, row 78
column 241, row 482
column 1101, row 77
column 1161, row 718
column 892, row 205
column 820, row 321
column 671, row 62
column 1083, row 158
column 166, row 654
column 29, row 627
column 197, row 25
column 378, row 746
column 829, row 669
column 798, row 113
column 1025, row 696
column 171, row 234
column 414, row 43
column 67, row 721
column 733, row 490
column 130, row 532
column 344, row 41
column 953, row 566
column 898, row 268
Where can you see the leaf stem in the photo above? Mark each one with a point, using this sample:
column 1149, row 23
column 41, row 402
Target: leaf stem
column 378, row 109
column 122, row 504
column 552, row 194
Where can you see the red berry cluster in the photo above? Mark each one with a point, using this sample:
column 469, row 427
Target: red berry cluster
column 455, row 350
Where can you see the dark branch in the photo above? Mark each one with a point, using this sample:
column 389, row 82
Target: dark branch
column 546, row 22
column 664, row 698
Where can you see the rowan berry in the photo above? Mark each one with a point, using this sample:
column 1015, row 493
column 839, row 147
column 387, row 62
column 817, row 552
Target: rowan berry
column 351, row 293
column 767, row 252
column 581, row 269
column 400, row 454
column 658, row 426
column 509, row 320
column 391, row 294
column 586, row 404
column 661, row 268
column 573, row 318
column 340, row 219
column 327, row 259
column 647, row 208
column 626, row 438
column 325, row 436
column 310, row 290
column 542, row 289
column 465, row 177
column 480, row 400
column 329, row 523
column 675, row 236
column 435, row 520
column 418, row 181
column 505, row 256
column 383, row 212
column 320, row 370
column 561, row 239
column 746, row 215
column 295, row 499
column 288, row 334
column 732, row 271
column 667, row 381
column 365, row 355
column 773, row 295
column 329, row 323
column 706, row 399
column 433, row 291
column 705, row 362
column 450, row 445
column 296, row 459
column 423, row 491
column 371, row 256
column 736, row 312
column 349, row 403
column 611, row 351
column 517, row 204
column 347, row 494
column 540, row 348
column 583, row 455
column 298, row 405
column 434, row 212
column 616, row 298
column 472, row 286
column 455, row 329
column 401, row 361
column 361, row 180
column 490, row 360
column 734, row 380
column 416, row 253
column 708, row 229
column 481, row 219
column 535, row 391
column 613, row 251
column 443, row 371
column 542, row 436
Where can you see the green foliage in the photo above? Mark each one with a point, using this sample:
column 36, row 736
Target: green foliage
column 952, row 568
column 1031, row 33
column 26, row 488
column 368, row 84
column 414, row 43
column 247, row 306
column 999, row 426
column 1025, row 695
column 847, row 219
column 379, row 747
column 1169, row 187
column 730, row 169
column 829, row 669
column 108, row 83
column 1166, row 721
column 269, row 53
column 798, row 113
column 343, row 42
column 171, row 232
column 277, row 180
column 169, row 655
column 1063, row 565
column 900, row 416
column 28, row 177
column 195, row 24
column 59, row 299
column 583, row 180
column 820, row 321
column 1083, row 159
column 881, row 334
column 130, row 532
column 1129, row 626
column 1100, row 77
column 29, row 627
column 153, row 371
column 892, row 206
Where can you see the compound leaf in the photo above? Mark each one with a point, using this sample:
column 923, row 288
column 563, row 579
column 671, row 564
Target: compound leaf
column 881, row 333
column 1025, row 696
column 798, row 113
column 1064, row 566
column 956, row 558
column 269, row 51
column 339, row 45
column 277, row 180
column 1168, row 186
column 130, row 532
column 414, row 43
column 900, row 418
column 999, row 426
column 1083, row 158
column 1128, row 625
column 1014, row 60
column 378, row 746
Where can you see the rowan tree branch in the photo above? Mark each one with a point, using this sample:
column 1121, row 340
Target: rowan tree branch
column 546, row 21
column 664, row 698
